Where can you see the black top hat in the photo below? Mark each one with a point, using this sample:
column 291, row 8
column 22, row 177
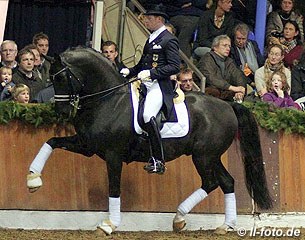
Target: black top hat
column 157, row 10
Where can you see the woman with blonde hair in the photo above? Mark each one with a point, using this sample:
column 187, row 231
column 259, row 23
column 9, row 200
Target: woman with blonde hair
column 274, row 62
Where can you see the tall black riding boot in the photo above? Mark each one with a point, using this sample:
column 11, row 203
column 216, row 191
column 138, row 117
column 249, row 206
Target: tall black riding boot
column 156, row 163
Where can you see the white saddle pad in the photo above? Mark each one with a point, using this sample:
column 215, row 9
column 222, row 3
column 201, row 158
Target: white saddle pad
column 169, row 129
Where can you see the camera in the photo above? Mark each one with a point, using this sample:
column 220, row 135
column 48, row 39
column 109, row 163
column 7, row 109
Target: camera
column 277, row 34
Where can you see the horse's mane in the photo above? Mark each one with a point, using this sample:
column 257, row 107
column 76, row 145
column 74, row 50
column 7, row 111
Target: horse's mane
column 92, row 57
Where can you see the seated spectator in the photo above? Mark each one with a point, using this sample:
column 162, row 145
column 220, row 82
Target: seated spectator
column 273, row 62
column 6, row 85
column 41, row 41
column 298, row 80
column 110, row 51
column 223, row 78
column 9, row 52
column 25, row 73
column 214, row 22
column 185, row 79
column 184, row 16
column 277, row 91
column 246, row 53
column 291, row 42
column 277, row 19
column 21, row 93
column 38, row 68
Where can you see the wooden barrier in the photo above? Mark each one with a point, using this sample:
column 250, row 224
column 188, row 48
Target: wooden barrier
column 74, row 182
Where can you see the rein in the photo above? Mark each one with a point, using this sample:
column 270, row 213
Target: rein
column 74, row 98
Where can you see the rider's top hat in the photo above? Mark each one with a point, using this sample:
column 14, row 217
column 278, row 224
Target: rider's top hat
column 157, row 10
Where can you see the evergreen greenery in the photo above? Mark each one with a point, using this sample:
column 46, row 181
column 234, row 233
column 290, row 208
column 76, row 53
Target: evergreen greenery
column 269, row 117
column 33, row 114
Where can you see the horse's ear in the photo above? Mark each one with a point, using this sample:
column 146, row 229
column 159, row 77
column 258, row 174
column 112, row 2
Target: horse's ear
column 56, row 58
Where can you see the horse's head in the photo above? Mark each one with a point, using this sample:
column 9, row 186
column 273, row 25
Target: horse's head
column 78, row 74
column 67, row 87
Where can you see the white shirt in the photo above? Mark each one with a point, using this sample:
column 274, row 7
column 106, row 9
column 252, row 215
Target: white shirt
column 156, row 33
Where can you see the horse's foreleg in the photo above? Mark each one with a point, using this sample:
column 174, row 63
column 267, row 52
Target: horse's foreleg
column 114, row 169
column 68, row 143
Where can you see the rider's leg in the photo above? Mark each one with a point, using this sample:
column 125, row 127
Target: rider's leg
column 152, row 106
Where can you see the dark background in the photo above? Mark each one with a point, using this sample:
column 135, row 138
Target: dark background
column 64, row 21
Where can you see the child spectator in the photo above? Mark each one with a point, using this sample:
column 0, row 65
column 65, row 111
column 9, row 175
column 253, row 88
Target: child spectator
column 277, row 94
column 6, row 74
column 21, row 93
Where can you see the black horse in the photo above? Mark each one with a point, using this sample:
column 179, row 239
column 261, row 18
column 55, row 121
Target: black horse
column 88, row 88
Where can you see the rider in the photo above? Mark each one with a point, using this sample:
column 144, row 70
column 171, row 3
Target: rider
column 159, row 61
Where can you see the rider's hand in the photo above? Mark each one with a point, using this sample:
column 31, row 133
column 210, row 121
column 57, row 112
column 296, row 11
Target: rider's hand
column 144, row 75
column 125, row 72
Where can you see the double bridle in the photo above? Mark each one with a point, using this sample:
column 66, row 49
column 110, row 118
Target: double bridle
column 74, row 98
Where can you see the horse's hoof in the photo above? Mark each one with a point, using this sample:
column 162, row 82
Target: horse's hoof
column 223, row 229
column 34, row 182
column 107, row 227
column 178, row 226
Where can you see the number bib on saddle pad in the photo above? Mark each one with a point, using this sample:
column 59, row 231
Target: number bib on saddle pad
column 169, row 129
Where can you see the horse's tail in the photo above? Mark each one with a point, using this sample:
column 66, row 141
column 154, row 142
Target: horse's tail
column 252, row 157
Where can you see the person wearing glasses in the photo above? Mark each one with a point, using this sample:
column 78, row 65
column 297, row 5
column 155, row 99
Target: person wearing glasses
column 274, row 62
column 186, row 81
column 224, row 79
column 9, row 50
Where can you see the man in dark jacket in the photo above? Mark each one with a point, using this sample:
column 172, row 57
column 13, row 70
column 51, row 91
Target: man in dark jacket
column 223, row 78
column 159, row 61
column 246, row 53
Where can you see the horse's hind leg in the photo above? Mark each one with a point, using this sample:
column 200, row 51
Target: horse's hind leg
column 205, row 168
column 34, row 181
column 226, row 183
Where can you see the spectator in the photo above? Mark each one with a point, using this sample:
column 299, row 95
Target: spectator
column 184, row 16
column 277, row 19
column 110, row 51
column 41, row 41
column 9, row 52
column 25, row 73
column 213, row 23
column 170, row 28
column 21, row 93
column 223, row 78
column 277, row 91
column 38, row 68
column 186, row 81
column 6, row 83
column 273, row 62
column 291, row 42
column 298, row 80
column 246, row 53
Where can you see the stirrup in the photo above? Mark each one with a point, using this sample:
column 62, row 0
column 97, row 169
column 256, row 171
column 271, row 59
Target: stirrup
column 155, row 166
column 34, row 181
column 223, row 229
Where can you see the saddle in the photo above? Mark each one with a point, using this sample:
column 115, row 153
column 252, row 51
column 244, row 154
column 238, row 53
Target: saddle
column 167, row 129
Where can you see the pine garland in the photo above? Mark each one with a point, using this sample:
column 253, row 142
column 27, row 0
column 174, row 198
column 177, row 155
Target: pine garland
column 268, row 116
column 34, row 114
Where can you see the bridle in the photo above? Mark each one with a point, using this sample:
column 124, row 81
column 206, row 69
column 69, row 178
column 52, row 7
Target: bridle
column 73, row 97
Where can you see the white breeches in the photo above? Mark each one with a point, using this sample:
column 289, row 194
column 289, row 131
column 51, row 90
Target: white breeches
column 153, row 101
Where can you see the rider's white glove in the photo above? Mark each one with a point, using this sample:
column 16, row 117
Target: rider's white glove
column 125, row 72
column 144, row 75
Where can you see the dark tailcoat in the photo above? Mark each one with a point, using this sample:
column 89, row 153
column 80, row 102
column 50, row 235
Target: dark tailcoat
column 161, row 57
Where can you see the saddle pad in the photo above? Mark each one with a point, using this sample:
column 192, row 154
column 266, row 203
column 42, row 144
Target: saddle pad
column 169, row 129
